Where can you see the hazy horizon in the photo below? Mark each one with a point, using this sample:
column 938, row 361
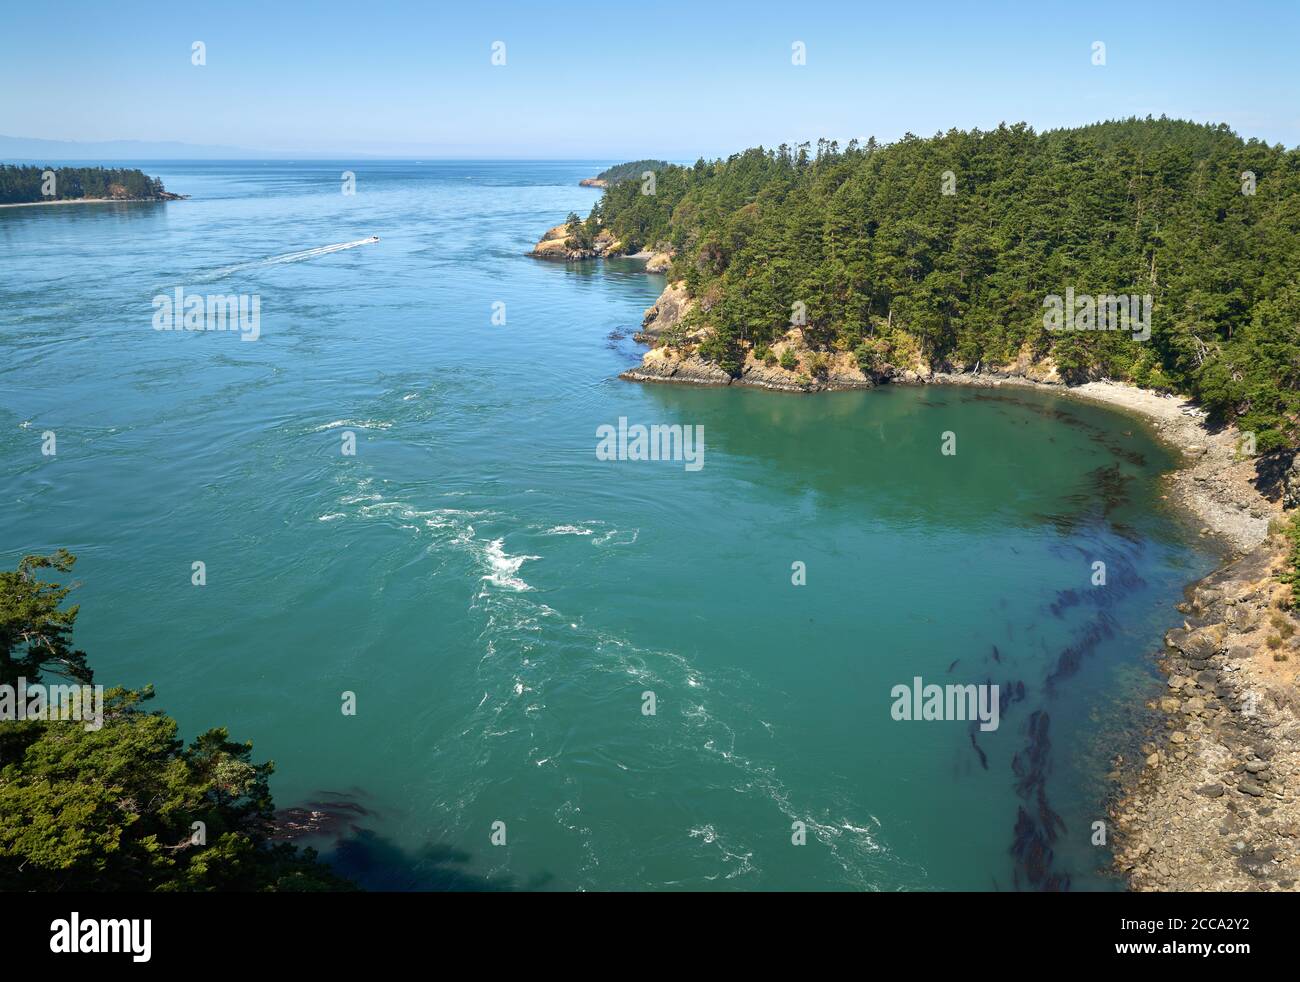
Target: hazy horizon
column 511, row 82
column 128, row 151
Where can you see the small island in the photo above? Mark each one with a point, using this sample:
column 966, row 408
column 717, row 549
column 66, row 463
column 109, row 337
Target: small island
column 22, row 185
column 632, row 170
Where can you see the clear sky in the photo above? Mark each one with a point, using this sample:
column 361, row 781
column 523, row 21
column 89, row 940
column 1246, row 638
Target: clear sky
column 624, row 80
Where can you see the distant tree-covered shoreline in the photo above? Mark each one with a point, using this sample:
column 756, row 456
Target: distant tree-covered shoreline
column 24, row 184
column 630, row 171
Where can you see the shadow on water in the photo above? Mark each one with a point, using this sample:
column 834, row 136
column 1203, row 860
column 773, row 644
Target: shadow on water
column 334, row 823
column 877, row 451
column 376, row 863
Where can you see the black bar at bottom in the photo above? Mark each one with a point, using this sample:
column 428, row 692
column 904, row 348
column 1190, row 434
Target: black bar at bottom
column 981, row 932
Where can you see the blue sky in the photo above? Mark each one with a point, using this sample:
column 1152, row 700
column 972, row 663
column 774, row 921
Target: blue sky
column 626, row 80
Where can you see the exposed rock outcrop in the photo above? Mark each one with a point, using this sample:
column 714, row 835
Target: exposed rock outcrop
column 668, row 365
column 811, row 372
column 808, row 372
column 790, row 364
column 1291, row 484
column 666, row 313
column 557, row 243
column 658, row 262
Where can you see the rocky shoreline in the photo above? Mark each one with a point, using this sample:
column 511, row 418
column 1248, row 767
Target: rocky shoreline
column 1212, row 805
column 557, row 243
column 1216, row 483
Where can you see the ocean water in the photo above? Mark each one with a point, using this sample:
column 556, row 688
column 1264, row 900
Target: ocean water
column 499, row 601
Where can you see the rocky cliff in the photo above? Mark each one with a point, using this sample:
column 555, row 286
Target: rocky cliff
column 557, row 243
column 790, row 364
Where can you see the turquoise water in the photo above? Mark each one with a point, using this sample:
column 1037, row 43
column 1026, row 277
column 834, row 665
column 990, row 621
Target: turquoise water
column 498, row 599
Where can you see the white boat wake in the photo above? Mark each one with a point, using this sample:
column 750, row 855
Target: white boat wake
column 291, row 257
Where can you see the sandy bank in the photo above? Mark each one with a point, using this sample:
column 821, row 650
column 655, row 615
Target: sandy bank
column 89, row 201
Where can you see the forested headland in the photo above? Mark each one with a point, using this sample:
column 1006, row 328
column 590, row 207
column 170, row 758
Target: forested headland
column 943, row 251
column 630, row 171
column 24, row 184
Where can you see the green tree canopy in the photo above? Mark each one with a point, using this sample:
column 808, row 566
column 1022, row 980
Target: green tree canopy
column 35, row 633
column 949, row 245
column 128, row 805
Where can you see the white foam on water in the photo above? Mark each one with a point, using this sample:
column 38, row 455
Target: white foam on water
column 705, row 832
column 617, row 537
column 729, row 855
column 289, row 257
column 601, row 533
column 520, row 663
column 362, row 424
column 504, row 567
column 568, row 530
